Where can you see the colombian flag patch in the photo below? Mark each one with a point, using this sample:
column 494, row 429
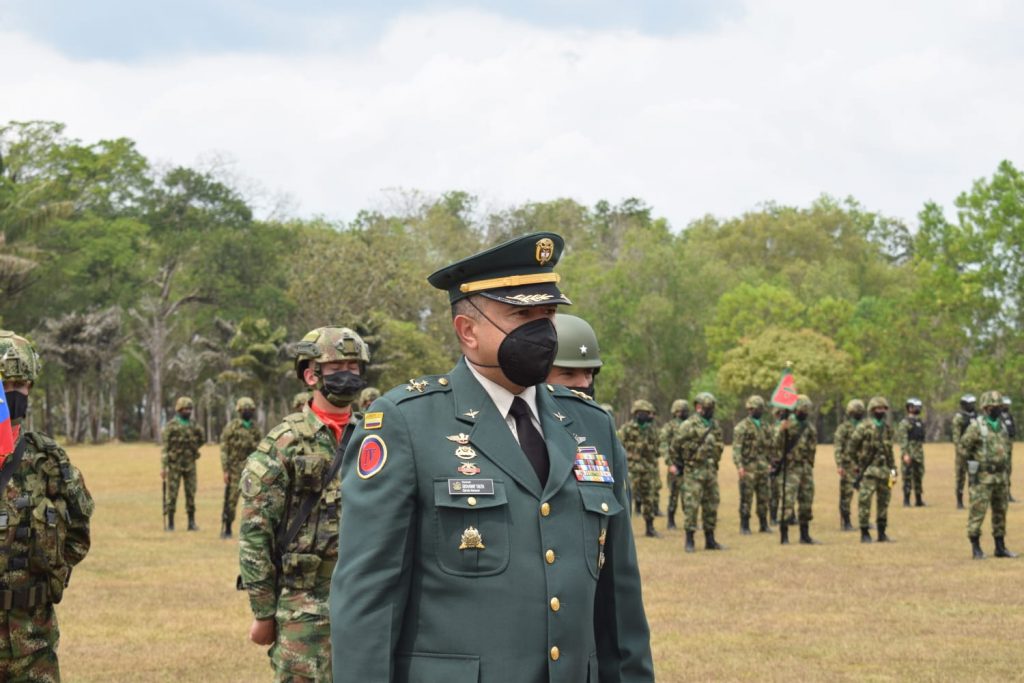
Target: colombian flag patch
column 373, row 420
column 373, row 453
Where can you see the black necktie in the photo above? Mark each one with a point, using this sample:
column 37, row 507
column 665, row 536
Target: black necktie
column 530, row 439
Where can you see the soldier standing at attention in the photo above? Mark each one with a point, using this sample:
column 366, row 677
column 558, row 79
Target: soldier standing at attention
column 751, row 453
column 796, row 443
column 960, row 422
column 910, row 437
column 872, row 445
column 486, row 536
column 696, row 449
column 674, row 479
column 182, row 441
column 1011, row 433
column 579, row 359
column 986, row 453
column 846, row 462
column 237, row 441
column 640, row 439
column 45, row 514
column 291, row 500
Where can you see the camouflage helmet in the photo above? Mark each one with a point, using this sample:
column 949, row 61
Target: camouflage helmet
column 754, row 402
column 704, row 398
column 245, row 402
column 18, row 358
column 577, row 343
column 182, row 403
column 329, row 344
column 643, row 405
column 878, row 402
column 855, row 406
column 680, row 405
column 990, row 398
column 369, row 395
column 804, row 403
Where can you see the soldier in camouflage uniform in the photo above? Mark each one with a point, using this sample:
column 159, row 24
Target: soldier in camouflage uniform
column 368, row 396
column 1011, row 433
column 44, row 521
column 640, row 439
column 960, row 422
column 796, row 443
column 752, row 452
column 674, row 479
column 182, row 440
column 774, row 476
column 910, row 437
column 846, row 463
column 985, row 450
column 287, row 569
column 871, row 446
column 239, row 438
column 696, row 450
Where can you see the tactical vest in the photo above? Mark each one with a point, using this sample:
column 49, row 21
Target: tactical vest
column 916, row 431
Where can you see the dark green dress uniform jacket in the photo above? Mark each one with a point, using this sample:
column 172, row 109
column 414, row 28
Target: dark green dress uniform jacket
column 553, row 594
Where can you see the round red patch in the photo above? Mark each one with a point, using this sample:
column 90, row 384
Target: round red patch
column 373, row 453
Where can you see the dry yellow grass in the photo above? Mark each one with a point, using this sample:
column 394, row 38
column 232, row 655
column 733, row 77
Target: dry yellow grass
column 152, row 606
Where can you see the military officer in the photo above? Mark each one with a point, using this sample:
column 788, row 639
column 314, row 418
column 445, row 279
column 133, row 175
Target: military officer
column 579, row 358
column 986, row 453
column 910, row 437
column 1011, row 433
column 960, row 421
column 871, row 444
column 288, row 539
column 486, row 535
column 640, row 439
column 846, row 463
column 44, row 519
column 182, row 440
column 696, row 451
column 674, row 479
column 796, row 443
column 751, row 453
column 238, row 439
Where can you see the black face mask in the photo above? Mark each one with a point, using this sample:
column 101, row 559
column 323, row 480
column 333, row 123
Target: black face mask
column 684, row 414
column 708, row 413
column 800, row 417
column 879, row 415
column 527, row 353
column 341, row 388
column 643, row 417
column 994, row 412
column 857, row 416
column 247, row 414
column 185, row 415
column 17, row 404
column 756, row 414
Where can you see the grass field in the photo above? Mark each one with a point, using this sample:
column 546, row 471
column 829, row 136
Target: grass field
column 146, row 605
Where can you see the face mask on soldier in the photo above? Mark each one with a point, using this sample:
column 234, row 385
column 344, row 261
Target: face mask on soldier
column 643, row 417
column 248, row 414
column 879, row 414
column 185, row 415
column 17, row 404
column 756, row 413
column 800, row 417
column 708, row 412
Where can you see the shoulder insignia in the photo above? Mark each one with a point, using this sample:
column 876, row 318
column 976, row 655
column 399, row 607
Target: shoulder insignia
column 256, row 467
column 373, row 420
column 417, row 386
column 275, row 433
column 580, row 394
column 373, row 453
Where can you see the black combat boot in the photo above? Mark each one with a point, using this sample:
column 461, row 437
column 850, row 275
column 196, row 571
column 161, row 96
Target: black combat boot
column 784, row 534
column 650, row 533
column 763, row 520
column 805, row 534
column 846, row 526
column 1002, row 550
column 865, row 535
column 636, row 506
column 976, row 552
column 918, row 503
column 709, row 541
column 745, row 525
column 192, row 522
column 689, row 542
column 906, row 499
column 960, row 500
column 882, row 538
column 170, row 521
column 672, row 519
column 226, row 533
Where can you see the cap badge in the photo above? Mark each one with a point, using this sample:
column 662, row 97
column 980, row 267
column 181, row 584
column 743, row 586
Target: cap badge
column 471, row 540
column 545, row 250
column 583, row 350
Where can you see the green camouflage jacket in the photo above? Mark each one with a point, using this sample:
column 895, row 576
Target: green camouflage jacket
column 841, row 440
column 806, row 435
column 665, row 438
column 690, row 446
column 752, row 444
column 182, row 441
column 960, row 422
column 236, row 443
column 871, row 448
column 641, row 444
column 986, row 442
column 910, row 437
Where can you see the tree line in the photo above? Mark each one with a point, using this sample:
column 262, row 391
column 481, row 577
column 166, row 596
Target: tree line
column 139, row 283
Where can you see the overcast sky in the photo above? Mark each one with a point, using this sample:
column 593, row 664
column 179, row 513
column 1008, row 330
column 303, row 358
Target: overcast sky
column 696, row 107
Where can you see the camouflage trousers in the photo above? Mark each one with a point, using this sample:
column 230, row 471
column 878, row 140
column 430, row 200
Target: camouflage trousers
column 799, row 493
column 846, row 492
column 675, row 491
column 961, row 472
column 874, row 483
column 1009, row 465
column 913, row 476
column 755, row 482
column 991, row 490
column 700, row 491
column 774, row 495
column 302, row 651
column 231, row 491
column 32, row 638
column 645, row 488
column 176, row 473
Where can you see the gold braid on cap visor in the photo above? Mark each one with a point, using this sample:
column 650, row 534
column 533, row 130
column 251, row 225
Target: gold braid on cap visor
column 509, row 281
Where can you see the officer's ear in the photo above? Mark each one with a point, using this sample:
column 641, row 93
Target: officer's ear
column 466, row 329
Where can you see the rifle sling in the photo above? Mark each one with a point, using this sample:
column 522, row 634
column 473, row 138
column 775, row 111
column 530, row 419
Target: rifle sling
column 285, row 538
column 11, row 464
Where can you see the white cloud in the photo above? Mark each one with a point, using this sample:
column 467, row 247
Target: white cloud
column 893, row 103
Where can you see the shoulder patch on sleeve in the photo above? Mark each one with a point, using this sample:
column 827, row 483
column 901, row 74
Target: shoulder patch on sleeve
column 373, row 453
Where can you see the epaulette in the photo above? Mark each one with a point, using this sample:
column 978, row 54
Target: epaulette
column 559, row 391
column 280, row 436
column 418, row 387
column 300, row 425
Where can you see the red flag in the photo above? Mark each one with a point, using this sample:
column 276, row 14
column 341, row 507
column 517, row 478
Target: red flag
column 784, row 395
column 6, row 432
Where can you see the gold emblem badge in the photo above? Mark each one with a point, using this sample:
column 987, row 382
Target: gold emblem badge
column 602, row 537
column 416, row 386
column 460, row 438
column 465, row 453
column 469, row 469
column 471, row 414
column 456, row 485
column 545, row 250
column 560, row 416
column 471, row 540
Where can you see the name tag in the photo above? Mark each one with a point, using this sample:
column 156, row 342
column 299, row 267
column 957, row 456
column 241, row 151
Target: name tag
column 470, row 487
